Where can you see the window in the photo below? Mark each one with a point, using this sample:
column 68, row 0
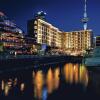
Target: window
column 35, row 22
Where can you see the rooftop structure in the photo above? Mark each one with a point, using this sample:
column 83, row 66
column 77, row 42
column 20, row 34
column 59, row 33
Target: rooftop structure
column 40, row 15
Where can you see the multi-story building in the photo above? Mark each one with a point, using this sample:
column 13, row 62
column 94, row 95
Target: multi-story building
column 97, row 41
column 78, row 40
column 44, row 32
column 11, row 37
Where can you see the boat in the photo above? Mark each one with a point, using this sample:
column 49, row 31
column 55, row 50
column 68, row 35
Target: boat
column 93, row 59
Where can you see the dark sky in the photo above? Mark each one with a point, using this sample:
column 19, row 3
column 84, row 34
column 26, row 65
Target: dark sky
column 64, row 14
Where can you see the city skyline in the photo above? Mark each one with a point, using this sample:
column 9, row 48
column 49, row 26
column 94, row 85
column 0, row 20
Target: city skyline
column 64, row 14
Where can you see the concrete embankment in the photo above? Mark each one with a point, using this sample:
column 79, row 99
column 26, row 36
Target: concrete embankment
column 36, row 60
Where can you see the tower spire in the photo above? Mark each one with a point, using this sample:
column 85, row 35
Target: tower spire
column 85, row 9
column 85, row 18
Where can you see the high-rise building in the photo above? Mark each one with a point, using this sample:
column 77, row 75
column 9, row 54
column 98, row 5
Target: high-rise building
column 78, row 41
column 44, row 32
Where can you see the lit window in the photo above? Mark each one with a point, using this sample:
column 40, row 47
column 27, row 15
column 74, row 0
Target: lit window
column 35, row 27
column 35, row 22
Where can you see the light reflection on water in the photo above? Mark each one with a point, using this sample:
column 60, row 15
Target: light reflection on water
column 44, row 83
column 50, row 81
column 83, row 75
column 56, row 78
column 22, row 87
column 38, row 84
column 2, row 85
column 75, row 73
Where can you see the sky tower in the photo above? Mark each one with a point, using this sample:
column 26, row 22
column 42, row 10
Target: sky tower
column 85, row 18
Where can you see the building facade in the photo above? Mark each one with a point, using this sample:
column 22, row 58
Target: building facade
column 70, row 42
column 97, row 41
column 78, row 41
column 44, row 32
column 11, row 37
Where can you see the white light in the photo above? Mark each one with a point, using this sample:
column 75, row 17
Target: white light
column 39, row 12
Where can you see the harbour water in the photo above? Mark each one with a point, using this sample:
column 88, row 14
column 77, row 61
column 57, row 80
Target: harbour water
column 64, row 81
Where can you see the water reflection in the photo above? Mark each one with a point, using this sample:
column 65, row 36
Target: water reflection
column 6, row 86
column 56, row 78
column 9, row 84
column 22, row 87
column 45, row 82
column 38, row 84
column 15, row 81
column 68, row 72
column 83, row 73
column 75, row 73
column 2, row 85
column 6, row 90
column 44, row 94
column 50, row 81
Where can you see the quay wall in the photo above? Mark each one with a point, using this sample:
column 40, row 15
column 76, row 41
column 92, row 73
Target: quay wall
column 37, row 60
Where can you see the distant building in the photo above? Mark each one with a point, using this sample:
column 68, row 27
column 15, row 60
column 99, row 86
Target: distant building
column 43, row 32
column 78, row 41
column 97, row 41
column 11, row 36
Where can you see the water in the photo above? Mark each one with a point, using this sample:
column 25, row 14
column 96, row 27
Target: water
column 51, row 82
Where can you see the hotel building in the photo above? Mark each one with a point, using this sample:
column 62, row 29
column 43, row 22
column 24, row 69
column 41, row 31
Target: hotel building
column 44, row 32
column 78, row 41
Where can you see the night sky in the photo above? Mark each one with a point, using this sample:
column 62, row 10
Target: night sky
column 64, row 14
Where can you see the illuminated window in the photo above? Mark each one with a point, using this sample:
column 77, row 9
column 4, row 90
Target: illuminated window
column 35, row 22
column 35, row 27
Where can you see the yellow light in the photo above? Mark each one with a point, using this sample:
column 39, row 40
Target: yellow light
column 56, row 78
column 6, row 90
column 76, row 73
column 83, row 75
column 2, row 85
column 38, row 84
column 22, row 87
column 50, row 81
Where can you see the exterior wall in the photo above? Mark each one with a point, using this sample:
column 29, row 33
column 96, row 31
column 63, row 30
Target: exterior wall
column 11, row 36
column 12, row 41
column 44, row 33
column 64, row 41
column 98, row 41
column 78, row 40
